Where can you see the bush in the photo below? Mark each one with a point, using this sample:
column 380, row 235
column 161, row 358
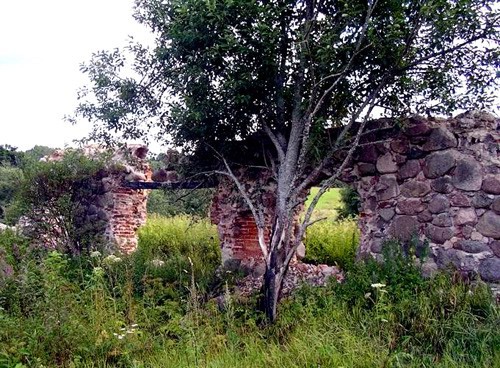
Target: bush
column 10, row 177
column 195, row 202
column 54, row 197
column 350, row 201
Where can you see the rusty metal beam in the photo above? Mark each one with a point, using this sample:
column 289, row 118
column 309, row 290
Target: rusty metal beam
column 169, row 185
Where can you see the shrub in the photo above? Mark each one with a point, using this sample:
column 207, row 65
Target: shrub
column 54, row 197
column 10, row 177
column 350, row 203
column 195, row 202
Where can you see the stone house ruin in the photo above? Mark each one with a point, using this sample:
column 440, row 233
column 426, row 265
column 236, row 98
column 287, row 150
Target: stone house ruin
column 434, row 180
column 431, row 180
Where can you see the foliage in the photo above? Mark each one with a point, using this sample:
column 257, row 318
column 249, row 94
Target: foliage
column 351, row 202
column 332, row 242
column 10, row 179
column 97, row 311
column 9, row 156
column 176, row 202
column 184, row 244
column 54, row 196
column 224, row 62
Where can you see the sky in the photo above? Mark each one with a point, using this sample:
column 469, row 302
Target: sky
column 42, row 44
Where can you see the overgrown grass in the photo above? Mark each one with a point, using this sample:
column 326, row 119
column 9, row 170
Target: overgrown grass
column 182, row 243
column 327, row 205
column 332, row 242
column 148, row 311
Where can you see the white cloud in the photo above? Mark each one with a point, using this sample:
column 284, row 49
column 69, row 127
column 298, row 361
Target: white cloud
column 42, row 44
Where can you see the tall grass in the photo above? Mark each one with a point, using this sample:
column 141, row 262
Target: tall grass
column 152, row 310
column 332, row 242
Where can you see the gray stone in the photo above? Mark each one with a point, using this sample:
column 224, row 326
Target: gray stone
column 438, row 234
column 442, row 220
column 404, row 227
column 442, row 184
column 471, row 246
column 489, row 225
column 495, row 247
column 467, row 231
column 368, row 154
column 259, row 269
column 481, row 200
column 456, row 258
column 415, row 189
column 459, row 200
column 376, row 246
column 439, row 163
column 301, row 251
column 440, row 139
column 439, row 203
column 466, row 123
column 424, row 216
column 387, row 214
column 480, row 211
column 410, row 206
column 387, row 187
column 417, row 126
column 491, row 184
column 495, row 206
column 429, row 268
column 409, row 170
column 400, row 145
column 489, row 269
column 387, row 164
column 365, row 169
column 416, row 153
column 467, row 175
column 466, row 216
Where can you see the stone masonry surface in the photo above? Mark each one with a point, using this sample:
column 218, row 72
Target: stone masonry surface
column 432, row 180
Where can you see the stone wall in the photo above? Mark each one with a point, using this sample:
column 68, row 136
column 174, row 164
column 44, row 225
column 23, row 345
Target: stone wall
column 435, row 180
column 431, row 180
column 114, row 211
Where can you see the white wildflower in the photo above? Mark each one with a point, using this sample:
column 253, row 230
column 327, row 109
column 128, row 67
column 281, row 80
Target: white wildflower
column 95, row 254
column 98, row 271
column 378, row 286
column 157, row 262
column 112, row 259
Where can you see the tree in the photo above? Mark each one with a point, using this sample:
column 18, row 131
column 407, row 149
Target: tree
column 281, row 72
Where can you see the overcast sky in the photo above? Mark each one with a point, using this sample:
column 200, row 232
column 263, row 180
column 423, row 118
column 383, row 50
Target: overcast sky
column 42, row 44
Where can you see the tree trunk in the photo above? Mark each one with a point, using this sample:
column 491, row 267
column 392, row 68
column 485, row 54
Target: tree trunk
column 273, row 280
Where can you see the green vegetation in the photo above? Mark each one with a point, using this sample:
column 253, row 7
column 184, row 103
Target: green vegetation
column 155, row 309
column 183, row 201
column 332, row 242
column 12, row 164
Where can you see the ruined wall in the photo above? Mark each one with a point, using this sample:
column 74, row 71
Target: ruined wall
column 435, row 180
column 112, row 210
column 235, row 223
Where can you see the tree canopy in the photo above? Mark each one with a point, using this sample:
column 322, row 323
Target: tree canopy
column 220, row 70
